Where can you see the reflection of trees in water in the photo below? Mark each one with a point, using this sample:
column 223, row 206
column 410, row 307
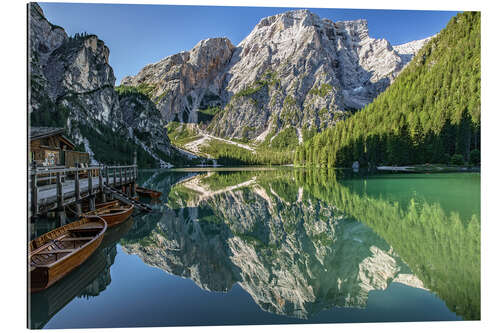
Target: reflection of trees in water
column 87, row 280
column 442, row 249
column 296, row 255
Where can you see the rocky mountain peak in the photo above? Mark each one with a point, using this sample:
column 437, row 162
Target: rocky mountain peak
column 300, row 17
column 408, row 50
column 186, row 81
column 294, row 69
column 71, row 80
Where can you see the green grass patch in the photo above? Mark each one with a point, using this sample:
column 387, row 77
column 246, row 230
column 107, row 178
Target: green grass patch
column 180, row 134
column 222, row 180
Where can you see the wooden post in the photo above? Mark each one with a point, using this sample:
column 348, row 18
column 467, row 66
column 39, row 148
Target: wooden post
column 89, row 176
column 100, row 180
column 132, row 188
column 121, row 175
column 77, row 192
column 107, row 175
column 34, row 191
column 60, row 203
column 61, row 217
column 33, row 229
column 92, row 202
column 135, row 166
column 91, row 190
column 101, row 188
column 114, row 176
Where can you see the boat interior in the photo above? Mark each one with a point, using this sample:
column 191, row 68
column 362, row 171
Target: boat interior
column 111, row 210
column 60, row 247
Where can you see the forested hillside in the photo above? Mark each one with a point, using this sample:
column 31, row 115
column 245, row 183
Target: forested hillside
column 430, row 114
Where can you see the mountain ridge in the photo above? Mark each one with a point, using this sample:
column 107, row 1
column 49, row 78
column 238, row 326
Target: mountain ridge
column 431, row 114
column 256, row 91
column 72, row 85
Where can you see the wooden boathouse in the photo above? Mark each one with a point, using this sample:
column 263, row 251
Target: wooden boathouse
column 49, row 147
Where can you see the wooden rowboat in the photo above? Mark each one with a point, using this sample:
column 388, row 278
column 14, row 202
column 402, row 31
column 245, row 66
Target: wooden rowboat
column 85, row 205
column 113, row 213
column 107, row 204
column 92, row 274
column 56, row 253
column 145, row 192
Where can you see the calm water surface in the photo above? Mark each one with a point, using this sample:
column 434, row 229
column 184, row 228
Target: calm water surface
column 280, row 246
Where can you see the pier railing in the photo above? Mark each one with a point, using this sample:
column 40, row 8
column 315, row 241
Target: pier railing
column 70, row 185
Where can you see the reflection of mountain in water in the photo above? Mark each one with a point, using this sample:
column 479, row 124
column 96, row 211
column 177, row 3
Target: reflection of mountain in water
column 88, row 280
column 294, row 254
column 184, row 247
column 160, row 180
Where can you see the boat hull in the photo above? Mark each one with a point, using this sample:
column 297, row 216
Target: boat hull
column 42, row 277
column 113, row 218
column 144, row 192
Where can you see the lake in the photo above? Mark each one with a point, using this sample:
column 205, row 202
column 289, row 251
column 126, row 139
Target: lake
column 283, row 245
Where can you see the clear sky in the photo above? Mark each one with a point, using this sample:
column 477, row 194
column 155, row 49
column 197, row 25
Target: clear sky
column 138, row 35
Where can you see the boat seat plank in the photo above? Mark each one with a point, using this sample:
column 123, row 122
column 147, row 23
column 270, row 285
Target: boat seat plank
column 53, row 252
column 87, row 226
column 76, row 238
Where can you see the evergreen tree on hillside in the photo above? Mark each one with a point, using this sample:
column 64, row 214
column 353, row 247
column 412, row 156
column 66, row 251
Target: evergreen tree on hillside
column 431, row 111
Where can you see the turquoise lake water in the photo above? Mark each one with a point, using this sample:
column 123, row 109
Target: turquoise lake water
column 251, row 246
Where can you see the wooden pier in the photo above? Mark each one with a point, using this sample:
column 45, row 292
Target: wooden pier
column 52, row 189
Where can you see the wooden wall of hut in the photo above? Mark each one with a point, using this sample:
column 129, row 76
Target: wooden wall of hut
column 72, row 157
column 45, row 150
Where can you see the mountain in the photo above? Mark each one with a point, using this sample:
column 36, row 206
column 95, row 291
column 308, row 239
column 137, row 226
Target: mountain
column 408, row 50
column 430, row 114
column 72, row 85
column 293, row 75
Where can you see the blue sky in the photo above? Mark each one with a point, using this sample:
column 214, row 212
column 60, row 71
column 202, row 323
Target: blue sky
column 138, row 35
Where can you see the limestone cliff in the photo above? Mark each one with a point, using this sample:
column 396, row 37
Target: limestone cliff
column 294, row 69
column 185, row 82
column 72, row 83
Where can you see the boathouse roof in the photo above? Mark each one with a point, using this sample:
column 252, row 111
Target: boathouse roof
column 37, row 133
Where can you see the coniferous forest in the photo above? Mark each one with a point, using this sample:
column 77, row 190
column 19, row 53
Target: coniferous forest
column 430, row 114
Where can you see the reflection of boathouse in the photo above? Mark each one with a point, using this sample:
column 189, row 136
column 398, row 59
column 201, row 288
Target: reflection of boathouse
column 49, row 147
